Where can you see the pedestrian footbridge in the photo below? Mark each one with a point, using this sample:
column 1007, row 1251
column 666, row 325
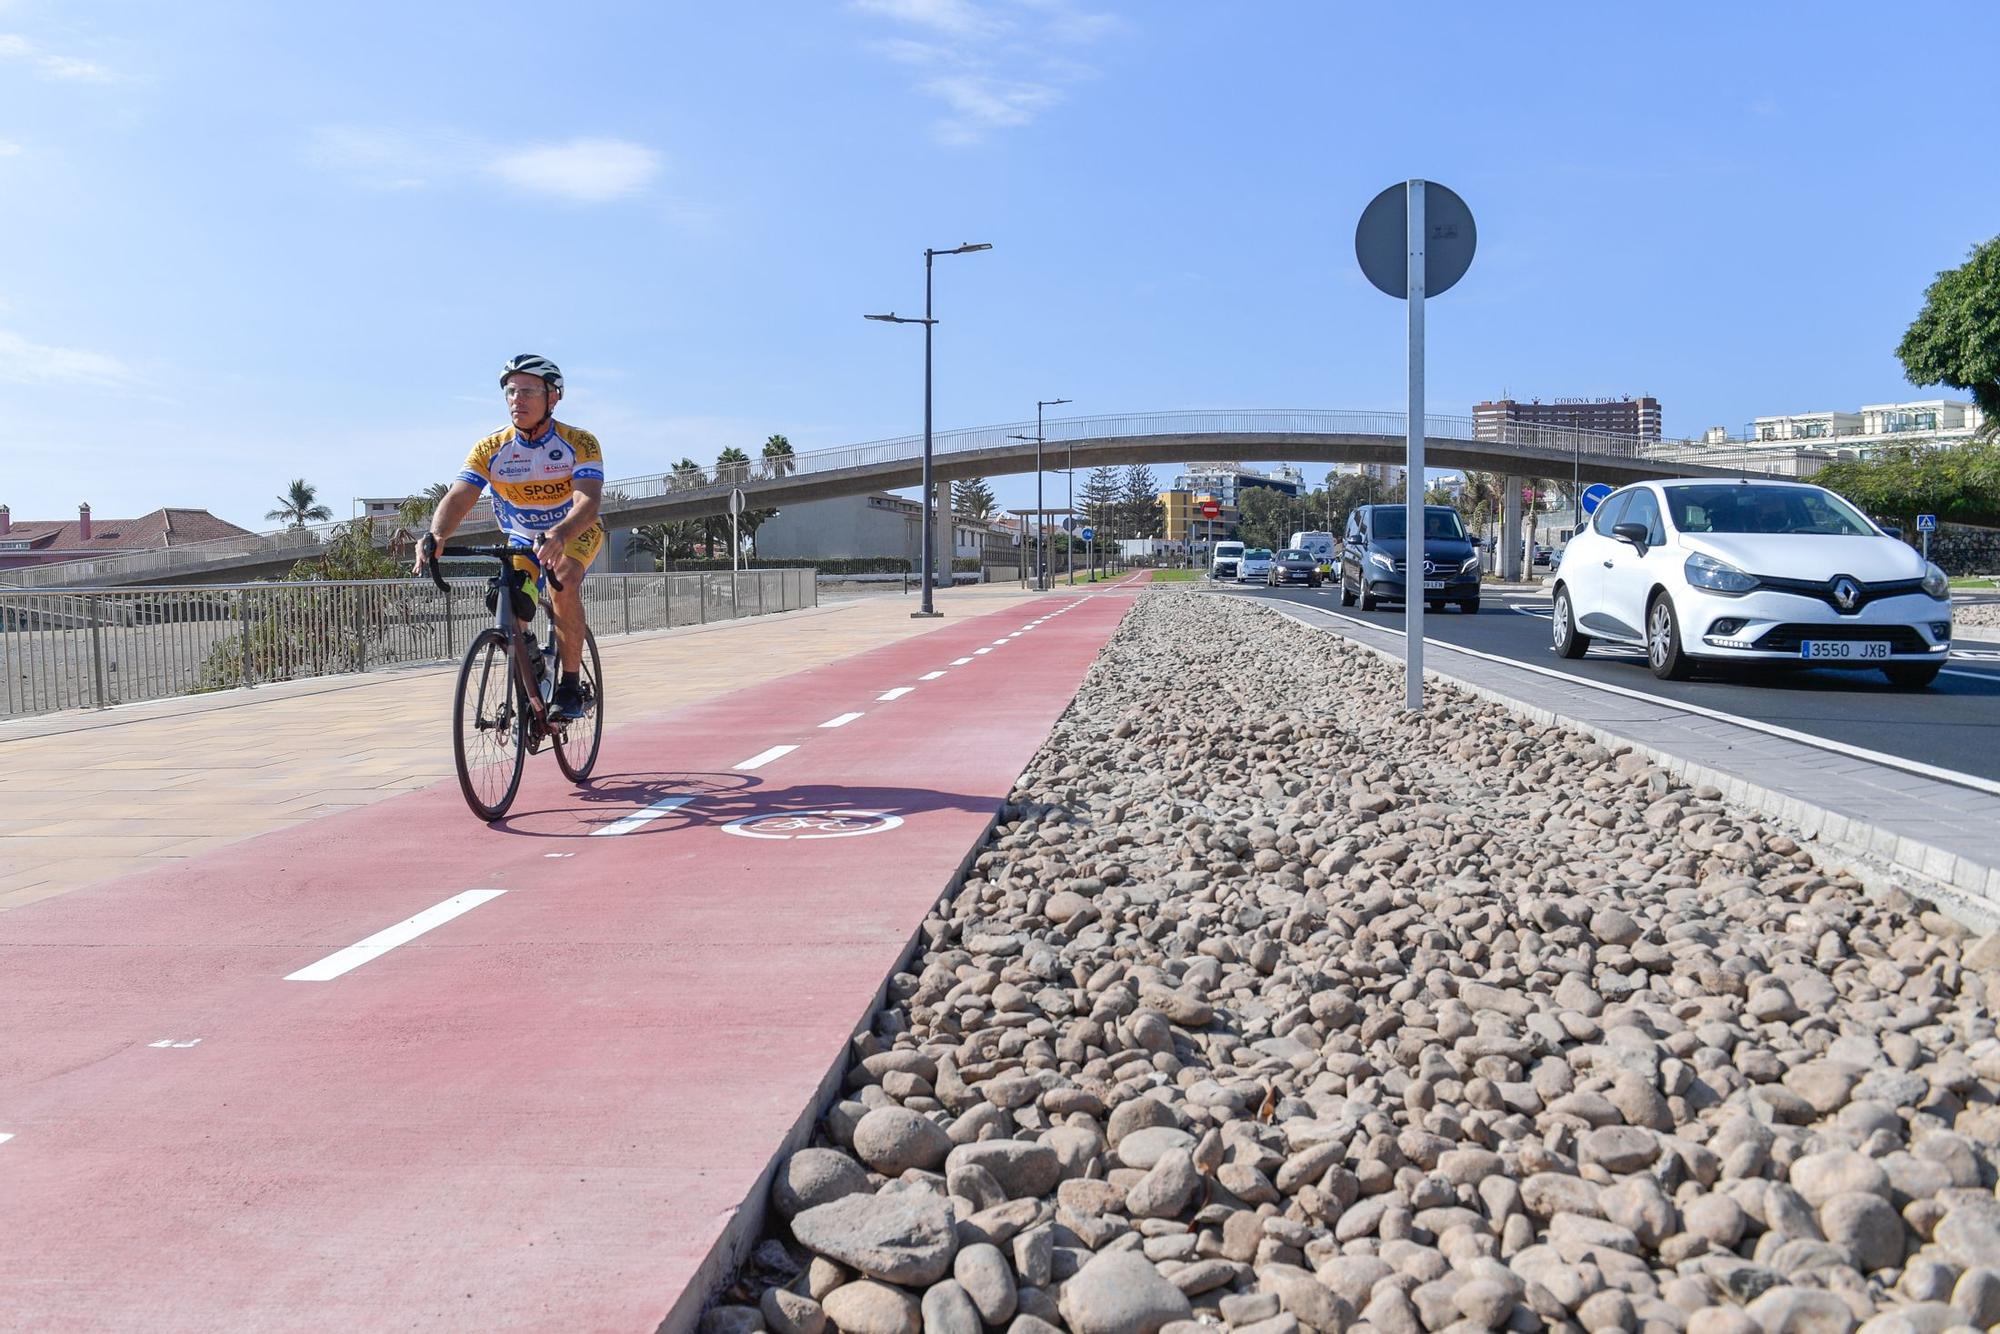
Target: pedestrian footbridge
column 1252, row 435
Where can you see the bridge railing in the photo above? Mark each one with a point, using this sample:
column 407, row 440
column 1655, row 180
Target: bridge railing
column 99, row 647
column 717, row 480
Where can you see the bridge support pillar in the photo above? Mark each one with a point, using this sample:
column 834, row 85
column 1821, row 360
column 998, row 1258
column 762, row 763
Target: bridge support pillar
column 942, row 546
column 1510, row 529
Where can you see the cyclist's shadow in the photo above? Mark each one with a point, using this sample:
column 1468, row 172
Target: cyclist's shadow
column 718, row 799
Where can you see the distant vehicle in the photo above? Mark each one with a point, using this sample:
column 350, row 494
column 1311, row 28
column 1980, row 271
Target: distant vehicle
column 1222, row 565
column 1317, row 545
column 1544, row 555
column 1295, row 565
column 1700, row 572
column 1372, row 558
column 1255, row 565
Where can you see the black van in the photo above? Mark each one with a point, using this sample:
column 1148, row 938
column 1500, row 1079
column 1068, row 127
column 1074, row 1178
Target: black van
column 1372, row 566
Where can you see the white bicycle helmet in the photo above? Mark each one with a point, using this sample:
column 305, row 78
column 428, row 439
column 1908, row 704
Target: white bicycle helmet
column 530, row 364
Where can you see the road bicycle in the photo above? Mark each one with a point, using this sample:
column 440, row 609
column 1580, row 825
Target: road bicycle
column 501, row 712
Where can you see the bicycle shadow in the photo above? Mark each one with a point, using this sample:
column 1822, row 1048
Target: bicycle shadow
column 718, row 799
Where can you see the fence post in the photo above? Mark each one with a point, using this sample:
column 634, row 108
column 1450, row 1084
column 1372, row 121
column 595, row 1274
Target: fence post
column 625, row 586
column 701, row 583
column 667, row 595
column 243, row 621
column 449, row 651
column 96, row 651
column 360, row 633
column 760, row 592
column 734, row 612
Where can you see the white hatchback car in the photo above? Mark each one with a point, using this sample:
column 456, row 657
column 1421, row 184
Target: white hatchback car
column 1255, row 567
column 1753, row 571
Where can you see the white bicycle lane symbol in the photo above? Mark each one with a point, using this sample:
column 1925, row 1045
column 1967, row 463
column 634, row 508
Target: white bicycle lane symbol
column 837, row 823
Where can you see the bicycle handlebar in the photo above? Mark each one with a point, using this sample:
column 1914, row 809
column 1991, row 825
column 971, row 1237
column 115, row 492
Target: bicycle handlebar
column 501, row 554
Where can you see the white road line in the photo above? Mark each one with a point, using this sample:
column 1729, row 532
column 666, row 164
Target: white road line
column 1768, row 729
column 176, row 1042
column 341, row 961
column 932, row 676
column 960, row 662
column 4, row 1137
column 842, row 721
column 897, row 693
column 987, row 649
column 998, row 642
column 764, row 757
column 638, row 818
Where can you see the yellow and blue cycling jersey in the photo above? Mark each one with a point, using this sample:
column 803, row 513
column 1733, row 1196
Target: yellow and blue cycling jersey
column 531, row 479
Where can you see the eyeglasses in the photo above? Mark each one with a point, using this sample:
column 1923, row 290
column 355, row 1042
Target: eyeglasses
column 514, row 391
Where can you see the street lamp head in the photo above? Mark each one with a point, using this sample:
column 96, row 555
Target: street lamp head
column 1030, row 438
column 965, row 249
column 890, row 318
column 1050, row 402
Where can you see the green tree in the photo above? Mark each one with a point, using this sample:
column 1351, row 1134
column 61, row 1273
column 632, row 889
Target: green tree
column 1959, row 485
column 972, row 498
column 1101, row 493
column 1262, row 514
column 299, row 505
column 687, row 476
column 1955, row 339
column 416, row 510
column 732, row 468
column 1138, row 513
column 779, row 460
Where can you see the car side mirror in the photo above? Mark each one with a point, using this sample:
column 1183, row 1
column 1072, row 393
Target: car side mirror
column 1635, row 533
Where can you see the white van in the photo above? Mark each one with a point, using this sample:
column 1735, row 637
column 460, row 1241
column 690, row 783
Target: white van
column 1227, row 559
column 1318, row 545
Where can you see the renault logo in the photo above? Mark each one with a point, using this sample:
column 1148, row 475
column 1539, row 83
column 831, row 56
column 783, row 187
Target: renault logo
column 1846, row 593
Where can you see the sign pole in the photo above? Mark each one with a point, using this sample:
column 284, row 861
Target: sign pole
column 1413, row 480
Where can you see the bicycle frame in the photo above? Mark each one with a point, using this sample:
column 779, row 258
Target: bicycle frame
column 520, row 641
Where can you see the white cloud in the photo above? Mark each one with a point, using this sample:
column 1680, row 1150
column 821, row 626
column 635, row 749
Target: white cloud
column 13, row 46
column 25, row 362
column 583, row 170
column 10, row 148
column 588, row 171
column 993, row 65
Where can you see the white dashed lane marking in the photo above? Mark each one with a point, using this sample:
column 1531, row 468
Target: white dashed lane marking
column 344, row 961
column 764, row 757
column 897, row 693
column 640, row 818
column 842, row 721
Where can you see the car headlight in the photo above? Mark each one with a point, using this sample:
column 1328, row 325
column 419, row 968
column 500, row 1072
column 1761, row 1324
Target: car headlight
column 1469, row 564
column 1377, row 558
column 1936, row 583
column 1714, row 576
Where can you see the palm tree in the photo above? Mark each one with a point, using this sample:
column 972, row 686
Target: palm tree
column 779, row 461
column 300, row 505
column 417, row 509
column 732, row 467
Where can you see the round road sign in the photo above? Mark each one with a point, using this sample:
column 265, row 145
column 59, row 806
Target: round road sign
column 1594, row 495
column 1381, row 240
column 1088, row 534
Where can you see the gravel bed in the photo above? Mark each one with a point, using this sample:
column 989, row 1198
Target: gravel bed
column 1268, row 1005
column 1977, row 614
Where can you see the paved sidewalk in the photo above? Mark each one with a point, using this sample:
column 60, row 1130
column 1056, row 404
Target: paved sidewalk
column 92, row 794
column 1943, row 833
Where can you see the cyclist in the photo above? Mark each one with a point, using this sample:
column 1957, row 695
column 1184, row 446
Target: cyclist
column 548, row 483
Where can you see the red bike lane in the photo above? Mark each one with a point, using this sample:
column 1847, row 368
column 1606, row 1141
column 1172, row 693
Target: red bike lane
column 398, row 1067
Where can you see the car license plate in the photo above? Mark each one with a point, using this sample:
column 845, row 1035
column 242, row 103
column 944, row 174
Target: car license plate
column 1433, row 585
column 1844, row 650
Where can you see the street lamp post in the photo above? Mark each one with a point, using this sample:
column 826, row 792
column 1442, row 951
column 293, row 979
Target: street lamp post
column 1041, row 519
column 929, row 536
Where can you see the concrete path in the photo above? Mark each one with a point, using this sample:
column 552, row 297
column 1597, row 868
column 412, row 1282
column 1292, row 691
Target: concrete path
column 393, row 1067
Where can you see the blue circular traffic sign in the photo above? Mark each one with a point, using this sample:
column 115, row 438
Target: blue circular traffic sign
column 1594, row 495
column 1089, row 534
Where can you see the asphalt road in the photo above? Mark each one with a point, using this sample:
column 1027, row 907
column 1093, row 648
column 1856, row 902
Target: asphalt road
column 1954, row 725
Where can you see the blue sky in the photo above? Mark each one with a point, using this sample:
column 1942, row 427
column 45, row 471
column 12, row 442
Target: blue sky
column 244, row 242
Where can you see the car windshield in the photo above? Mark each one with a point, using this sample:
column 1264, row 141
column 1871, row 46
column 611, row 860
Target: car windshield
column 1293, row 553
column 1257, row 553
column 1736, row 508
column 1439, row 525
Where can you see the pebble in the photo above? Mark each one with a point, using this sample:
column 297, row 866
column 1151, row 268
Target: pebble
column 1267, row 1002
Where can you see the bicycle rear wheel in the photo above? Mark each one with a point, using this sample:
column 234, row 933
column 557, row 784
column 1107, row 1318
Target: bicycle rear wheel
column 489, row 738
column 576, row 744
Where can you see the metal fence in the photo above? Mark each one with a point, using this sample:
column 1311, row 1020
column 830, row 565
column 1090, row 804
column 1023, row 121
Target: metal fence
column 93, row 648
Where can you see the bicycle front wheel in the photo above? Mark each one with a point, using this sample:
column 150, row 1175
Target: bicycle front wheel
column 489, row 739
column 576, row 744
